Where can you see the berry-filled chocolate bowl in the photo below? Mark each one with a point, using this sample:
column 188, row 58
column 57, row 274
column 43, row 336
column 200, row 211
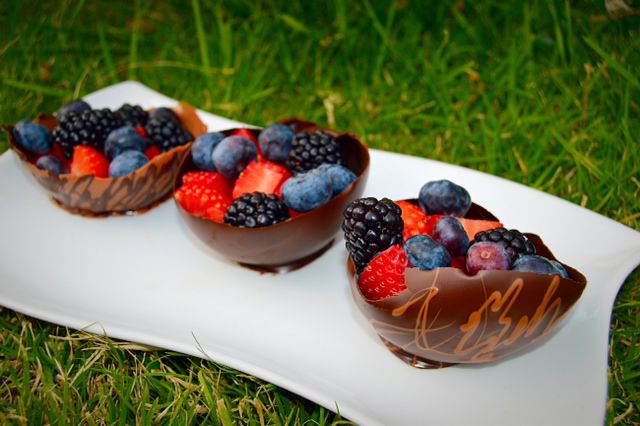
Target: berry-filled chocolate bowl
column 443, row 282
column 270, row 199
column 103, row 161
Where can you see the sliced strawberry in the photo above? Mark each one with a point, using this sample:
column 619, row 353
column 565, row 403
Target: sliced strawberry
column 88, row 161
column 415, row 221
column 473, row 226
column 260, row 176
column 141, row 131
column 384, row 276
column 202, row 200
column 213, row 180
column 151, row 152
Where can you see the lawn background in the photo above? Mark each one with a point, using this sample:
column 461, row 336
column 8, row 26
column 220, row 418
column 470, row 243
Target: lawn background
column 544, row 93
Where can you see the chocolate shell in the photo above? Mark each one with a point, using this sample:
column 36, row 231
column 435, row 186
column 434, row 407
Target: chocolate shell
column 138, row 191
column 293, row 243
column 446, row 317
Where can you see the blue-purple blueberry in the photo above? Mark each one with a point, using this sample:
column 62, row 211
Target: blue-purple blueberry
column 232, row 155
column 444, row 197
column 487, row 256
column 76, row 106
column 426, row 254
column 538, row 264
column 33, row 137
column 340, row 176
column 202, row 150
column 123, row 139
column 51, row 164
column 450, row 233
column 127, row 162
column 275, row 142
column 163, row 113
column 307, row 191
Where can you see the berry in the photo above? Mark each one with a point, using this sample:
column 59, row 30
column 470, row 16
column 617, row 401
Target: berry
column 123, row 139
column 51, row 164
column 88, row 161
column 232, row 155
column 452, row 236
column 263, row 176
column 163, row 113
column 211, row 180
column 426, row 254
column 513, row 241
column 256, row 210
column 415, row 221
column 307, row 191
column 560, row 270
column 384, row 275
column 444, row 197
column 152, row 152
column 487, row 256
column 371, row 226
column 202, row 149
column 203, row 200
column 85, row 128
column 275, row 142
column 32, row 137
column 132, row 115
column 166, row 133
column 245, row 133
column 473, row 226
column 311, row 149
column 76, row 106
column 539, row 265
column 127, row 162
column 340, row 176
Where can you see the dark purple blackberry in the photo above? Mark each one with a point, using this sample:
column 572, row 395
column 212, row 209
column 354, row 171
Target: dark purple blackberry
column 513, row 241
column 166, row 134
column 132, row 115
column 87, row 128
column 371, row 226
column 311, row 149
column 255, row 210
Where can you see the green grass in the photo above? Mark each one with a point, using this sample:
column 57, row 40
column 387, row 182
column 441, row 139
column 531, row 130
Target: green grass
column 542, row 93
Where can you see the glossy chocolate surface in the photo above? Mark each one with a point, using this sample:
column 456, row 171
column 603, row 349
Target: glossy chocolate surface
column 446, row 317
column 292, row 243
column 138, row 191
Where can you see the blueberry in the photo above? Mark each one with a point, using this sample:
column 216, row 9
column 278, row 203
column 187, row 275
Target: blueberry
column 33, row 137
column 76, row 106
column 487, row 256
column 451, row 234
column 232, row 155
column 426, row 254
column 123, row 139
column 340, row 176
column 560, row 270
column 126, row 163
column 537, row 264
column 444, row 197
column 202, row 150
column 51, row 164
column 275, row 142
column 307, row 191
column 163, row 113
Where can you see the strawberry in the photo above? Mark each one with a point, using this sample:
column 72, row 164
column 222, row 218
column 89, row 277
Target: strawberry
column 141, row 131
column 151, row 152
column 432, row 220
column 384, row 276
column 415, row 221
column 261, row 176
column 88, row 161
column 213, row 180
column 473, row 226
column 202, row 200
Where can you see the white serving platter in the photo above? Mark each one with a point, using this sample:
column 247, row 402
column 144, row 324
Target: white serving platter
column 147, row 279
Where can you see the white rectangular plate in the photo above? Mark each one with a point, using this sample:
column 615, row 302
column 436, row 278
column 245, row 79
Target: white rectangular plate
column 147, row 279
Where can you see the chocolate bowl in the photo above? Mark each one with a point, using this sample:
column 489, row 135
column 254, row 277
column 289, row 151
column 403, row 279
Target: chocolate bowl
column 139, row 190
column 295, row 242
column 446, row 317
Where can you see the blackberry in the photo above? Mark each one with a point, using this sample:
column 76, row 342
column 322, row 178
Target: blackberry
column 512, row 240
column 371, row 226
column 89, row 127
column 255, row 210
column 311, row 149
column 166, row 134
column 132, row 115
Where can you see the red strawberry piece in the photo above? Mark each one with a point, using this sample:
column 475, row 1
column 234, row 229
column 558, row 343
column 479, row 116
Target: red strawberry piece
column 88, row 161
column 202, row 200
column 415, row 221
column 384, row 276
column 261, row 176
column 141, row 131
column 151, row 152
column 432, row 220
column 473, row 226
column 212, row 180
